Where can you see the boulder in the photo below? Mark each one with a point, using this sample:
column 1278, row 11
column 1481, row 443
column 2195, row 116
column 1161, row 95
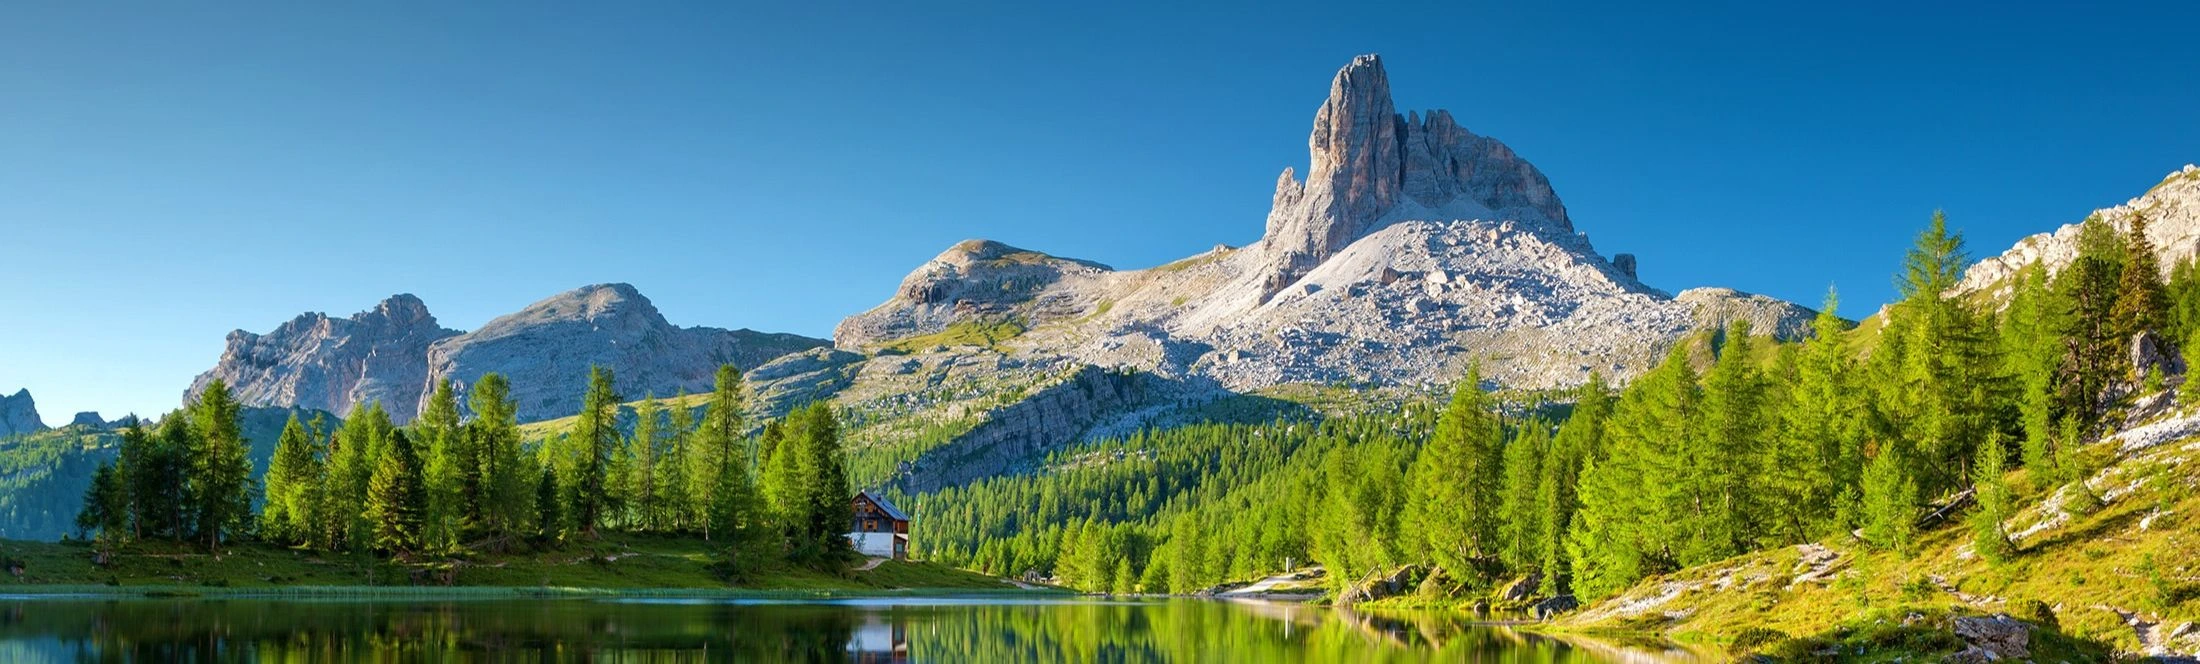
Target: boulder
column 1550, row 608
column 1522, row 589
column 2149, row 352
column 1995, row 637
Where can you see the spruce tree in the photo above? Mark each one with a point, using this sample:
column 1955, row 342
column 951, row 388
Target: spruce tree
column 1522, row 527
column 672, row 475
column 2093, row 357
column 1454, row 483
column 642, row 451
column 397, row 497
column 444, row 457
column 221, row 467
column 1722, row 464
column 506, row 480
column 1890, row 501
column 722, row 496
column 595, row 437
column 290, row 476
column 1558, row 490
column 106, row 511
column 2142, row 303
column 549, row 506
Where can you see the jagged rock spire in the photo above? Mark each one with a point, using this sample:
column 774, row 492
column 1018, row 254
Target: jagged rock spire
column 1366, row 162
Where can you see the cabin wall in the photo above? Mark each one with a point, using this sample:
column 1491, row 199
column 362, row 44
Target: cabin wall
column 876, row 545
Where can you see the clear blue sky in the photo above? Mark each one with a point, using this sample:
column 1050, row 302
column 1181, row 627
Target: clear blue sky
column 172, row 171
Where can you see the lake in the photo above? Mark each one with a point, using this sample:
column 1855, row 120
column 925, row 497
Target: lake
column 48, row 629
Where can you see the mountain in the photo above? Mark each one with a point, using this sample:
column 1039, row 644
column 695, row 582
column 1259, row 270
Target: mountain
column 396, row 352
column 1412, row 249
column 315, row 361
column 547, row 348
column 19, row 415
column 2172, row 210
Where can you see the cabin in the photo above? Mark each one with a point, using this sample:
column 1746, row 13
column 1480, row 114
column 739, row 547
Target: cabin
column 879, row 529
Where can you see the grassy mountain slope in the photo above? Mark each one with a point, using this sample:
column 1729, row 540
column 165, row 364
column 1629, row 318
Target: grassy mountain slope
column 2121, row 567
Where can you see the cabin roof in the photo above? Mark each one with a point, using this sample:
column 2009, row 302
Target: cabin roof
column 883, row 505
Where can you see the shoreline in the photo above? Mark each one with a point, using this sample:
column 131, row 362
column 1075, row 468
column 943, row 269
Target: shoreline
column 63, row 591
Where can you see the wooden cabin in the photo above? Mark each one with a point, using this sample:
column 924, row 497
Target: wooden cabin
column 878, row 529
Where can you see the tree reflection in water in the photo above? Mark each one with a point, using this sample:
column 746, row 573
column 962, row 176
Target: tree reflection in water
column 901, row 630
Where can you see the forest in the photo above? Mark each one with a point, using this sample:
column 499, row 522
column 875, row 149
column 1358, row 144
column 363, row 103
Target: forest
column 1733, row 443
column 448, row 485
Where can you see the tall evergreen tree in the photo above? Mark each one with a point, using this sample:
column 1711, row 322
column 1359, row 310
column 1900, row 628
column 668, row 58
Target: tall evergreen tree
column 220, row 482
column 1819, row 452
column 1721, row 465
column 1454, row 483
column 595, row 436
column 2093, row 355
column 672, row 476
column 2142, row 303
column 642, row 452
column 723, row 498
column 1890, row 501
column 1558, row 490
column 443, row 448
column 1522, row 528
column 397, row 497
column 506, row 481
column 106, row 512
column 821, row 537
column 290, row 478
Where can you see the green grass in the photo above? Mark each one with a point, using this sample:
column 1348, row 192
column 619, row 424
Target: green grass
column 980, row 333
column 616, row 563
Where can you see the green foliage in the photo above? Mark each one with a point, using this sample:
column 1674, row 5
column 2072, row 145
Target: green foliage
column 1454, row 502
column 1890, row 501
column 1995, row 505
column 397, row 497
column 986, row 334
column 220, row 479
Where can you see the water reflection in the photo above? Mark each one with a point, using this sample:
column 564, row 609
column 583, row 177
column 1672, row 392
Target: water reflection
column 224, row 630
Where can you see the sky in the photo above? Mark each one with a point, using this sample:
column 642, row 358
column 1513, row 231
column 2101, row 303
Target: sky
column 173, row 171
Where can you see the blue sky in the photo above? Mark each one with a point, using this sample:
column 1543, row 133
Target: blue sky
column 173, row 171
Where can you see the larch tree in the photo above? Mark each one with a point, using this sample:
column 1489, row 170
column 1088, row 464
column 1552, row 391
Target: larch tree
column 595, row 437
column 221, row 467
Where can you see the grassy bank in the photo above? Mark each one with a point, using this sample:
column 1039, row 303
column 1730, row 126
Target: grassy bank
column 621, row 564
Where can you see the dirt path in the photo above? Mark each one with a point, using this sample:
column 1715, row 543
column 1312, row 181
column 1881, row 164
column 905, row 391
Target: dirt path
column 871, row 564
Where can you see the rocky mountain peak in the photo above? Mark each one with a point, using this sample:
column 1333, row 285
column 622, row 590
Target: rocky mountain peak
column 1370, row 167
column 324, row 363
column 19, row 414
column 2172, row 210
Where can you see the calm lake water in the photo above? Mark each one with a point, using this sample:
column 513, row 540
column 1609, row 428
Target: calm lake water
column 643, row 630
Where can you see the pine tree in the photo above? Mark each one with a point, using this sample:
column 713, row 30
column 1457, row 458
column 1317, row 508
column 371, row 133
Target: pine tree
column 1818, row 452
column 1633, row 515
column 354, row 453
column 641, row 452
column 718, row 471
column 444, row 457
column 2142, row 303
column 1890, row 501
column 506, row 480
column 2093, row 357
column 595, row 437
column 1558, row 490
column 221, row 467
column 1720, row 465
column 1523, row 511
column 825, row 500
column 290, row 476
column 1995, row 504
column 549, row 506
column 1454, row 502
column 106, row 511
column 2031, row 351
column 674, row 468
column 397, row 497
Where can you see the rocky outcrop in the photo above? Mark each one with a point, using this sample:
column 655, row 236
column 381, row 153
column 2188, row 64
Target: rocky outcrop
column 547, row 348
column 974, row 279
column 1992, row 639
column 89, row 418
column 19, row 414
column 1367, row 161
column 331, row 364
column 395, row 352
column 2172, row 211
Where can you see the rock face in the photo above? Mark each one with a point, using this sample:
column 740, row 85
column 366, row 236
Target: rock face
column 396, row 352
column 1413, row 249
column 88, row 418
column 19, row 414
column 323, row 363
column 2172, row 210
column 1367, row 161
column 547, row 348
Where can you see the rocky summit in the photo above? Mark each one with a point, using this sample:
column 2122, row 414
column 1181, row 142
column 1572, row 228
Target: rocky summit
column 1413, row 248
column 396, row 352
column 2172, row 211
column 19, row 414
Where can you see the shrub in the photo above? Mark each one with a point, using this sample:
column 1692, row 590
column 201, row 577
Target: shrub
column 1756, row 640
column 2036, row 612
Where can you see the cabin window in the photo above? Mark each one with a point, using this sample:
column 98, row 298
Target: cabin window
column 870, row 524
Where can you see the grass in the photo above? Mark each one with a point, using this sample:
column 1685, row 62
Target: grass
column 2084, row 569
column 623, row 564
column 980, row 333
